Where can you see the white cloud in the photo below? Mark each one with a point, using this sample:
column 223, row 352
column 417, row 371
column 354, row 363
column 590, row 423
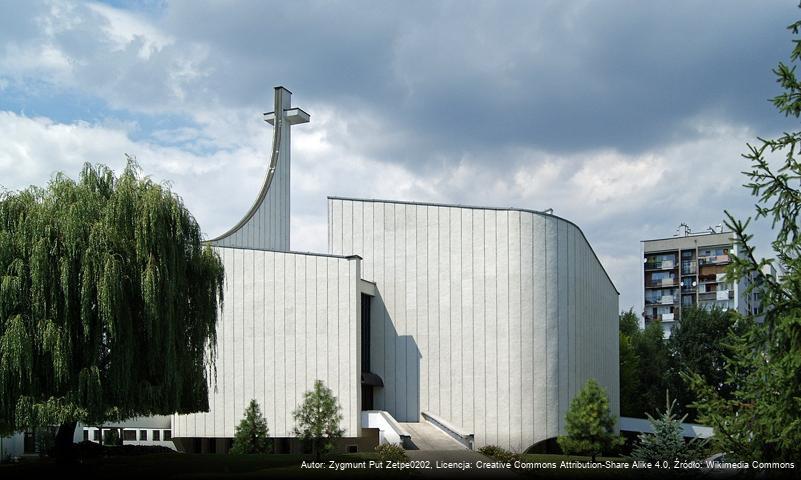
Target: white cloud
column 123, row 29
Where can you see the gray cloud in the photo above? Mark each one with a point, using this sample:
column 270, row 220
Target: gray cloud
column 626, row 117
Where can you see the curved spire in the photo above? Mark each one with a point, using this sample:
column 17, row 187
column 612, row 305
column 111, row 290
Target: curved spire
column 266, row 225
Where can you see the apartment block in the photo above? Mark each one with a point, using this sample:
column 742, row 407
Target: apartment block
column 690, row 270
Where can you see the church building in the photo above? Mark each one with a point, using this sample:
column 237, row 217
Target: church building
column 483, row 321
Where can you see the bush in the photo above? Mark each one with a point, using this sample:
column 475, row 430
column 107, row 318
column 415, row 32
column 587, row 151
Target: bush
column 590, row 425
column 667, row 442
column 252, row 433
column 391, row 452
column 500, row 454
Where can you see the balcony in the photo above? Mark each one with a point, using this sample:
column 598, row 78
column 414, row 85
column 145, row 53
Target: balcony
column 714, row 260
column 662, row 283
column 663, row 265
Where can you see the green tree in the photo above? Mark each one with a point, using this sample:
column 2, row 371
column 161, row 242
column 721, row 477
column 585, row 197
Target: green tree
column 698, row 344
column 667, row 441
column 317, row 419
column 590, row 424
column 762, row 420
column 251, row 434
column 629, row 366
column 654, row 365
column 108, row 303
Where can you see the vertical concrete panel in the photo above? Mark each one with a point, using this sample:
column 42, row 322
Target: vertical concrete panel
column 238, row 334
column 468, row 334
column 562, row 318
column 368, row 265
column 421, row 331
column 357, row 241
column 290, row 321
column 492, row 259
column 527, row 367
column 299, row 331
column 455, row 327
column 410, row 330
column 333, row 324
column 322, row 319
column 503, row 328
column 443, row 314
column 270, row 352
column 515, row 332
column 389, row 287
column 379, row 316
column 247, row 345
column 399, row 318
column 259, row 339
column 480, row 325
column 281, row 350
column 551, row 329
column 336, row 239
column 343, row 320
column 310, row 335
column 354, row 345
column 346, row 237
column 432, row 352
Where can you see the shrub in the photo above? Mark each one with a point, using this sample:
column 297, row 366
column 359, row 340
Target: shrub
column 251, row 433
column 391, row 452
column 667, row 442
column 500, row 454
column 317, row 419
column 590, row 424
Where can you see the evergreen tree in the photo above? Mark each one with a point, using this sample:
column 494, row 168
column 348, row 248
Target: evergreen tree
column 317, row 419
column 590, row 424
column 252, row 432
column 762, row 420
column 108, row 303
column 667, row 441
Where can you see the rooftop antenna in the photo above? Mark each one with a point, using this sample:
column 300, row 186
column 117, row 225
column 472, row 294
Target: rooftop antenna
column 687, row 230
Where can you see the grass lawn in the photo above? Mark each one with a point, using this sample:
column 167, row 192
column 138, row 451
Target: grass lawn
column 188, row 466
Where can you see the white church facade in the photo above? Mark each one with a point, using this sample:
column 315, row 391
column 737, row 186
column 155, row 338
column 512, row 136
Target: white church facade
column 487, row 320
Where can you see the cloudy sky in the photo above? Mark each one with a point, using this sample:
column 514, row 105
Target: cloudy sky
column 626, row 117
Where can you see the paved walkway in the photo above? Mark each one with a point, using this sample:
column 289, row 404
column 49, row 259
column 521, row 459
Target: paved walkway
column 428, row 437
column 447, row 457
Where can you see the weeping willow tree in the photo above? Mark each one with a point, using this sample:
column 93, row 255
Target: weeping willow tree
column 108, row 302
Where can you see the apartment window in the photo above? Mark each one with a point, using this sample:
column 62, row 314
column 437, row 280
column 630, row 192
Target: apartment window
column 142, row 435
column 97, row 435
column 167, row 435
column 85, row 435
column 156, row 435
column 129, row 435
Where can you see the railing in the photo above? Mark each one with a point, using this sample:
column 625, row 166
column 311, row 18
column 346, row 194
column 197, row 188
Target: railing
column 458, row 434
column 661, row 265
column 713, row 260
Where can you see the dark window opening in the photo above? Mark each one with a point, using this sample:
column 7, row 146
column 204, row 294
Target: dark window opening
column 156, row 435
column 167, row 435
column 367, row 397
column 129, row 435
column 142, row 435
column 365, row 333
column 353, row 449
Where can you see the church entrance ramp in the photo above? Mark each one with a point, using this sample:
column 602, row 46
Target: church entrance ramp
column 425, row 436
